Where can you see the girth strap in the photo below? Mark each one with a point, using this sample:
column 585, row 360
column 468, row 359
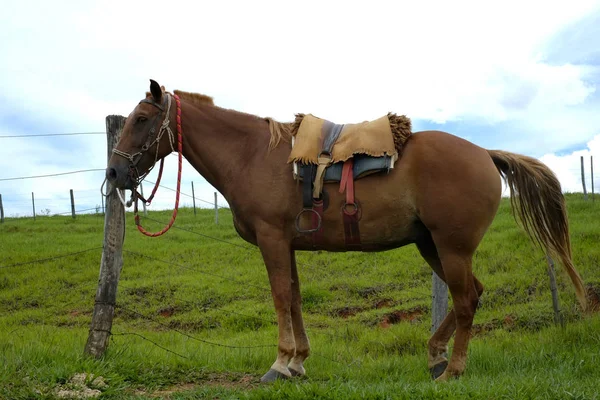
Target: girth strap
column 350, row 209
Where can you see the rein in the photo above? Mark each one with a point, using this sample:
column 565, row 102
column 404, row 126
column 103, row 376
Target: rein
column 135, row 195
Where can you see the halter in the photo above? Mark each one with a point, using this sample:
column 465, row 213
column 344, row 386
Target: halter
column 136, row 157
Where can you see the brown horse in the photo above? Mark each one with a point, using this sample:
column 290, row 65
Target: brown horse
column 442, row 196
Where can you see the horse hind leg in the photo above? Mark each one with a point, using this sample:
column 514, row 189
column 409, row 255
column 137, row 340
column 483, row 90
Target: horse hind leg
column 437, row 360
column 438, row 343
column 465, row 290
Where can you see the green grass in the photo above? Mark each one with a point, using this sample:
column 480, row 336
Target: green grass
column 368, row 315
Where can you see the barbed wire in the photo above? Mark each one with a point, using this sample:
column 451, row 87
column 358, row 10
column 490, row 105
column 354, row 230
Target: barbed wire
column 187, row 195
column 50, row 175
column 51, row 258
column 182, row 266
column 41, row 213
column 52, row 134
column 148, row 340
column 203, row 235
column 156, row 321
column 309, row 327
column 256, row 250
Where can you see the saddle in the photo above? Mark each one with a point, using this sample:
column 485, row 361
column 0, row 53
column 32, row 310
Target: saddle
column 323, row 151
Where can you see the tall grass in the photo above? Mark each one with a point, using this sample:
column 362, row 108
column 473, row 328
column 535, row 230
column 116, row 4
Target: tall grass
column 184, row 294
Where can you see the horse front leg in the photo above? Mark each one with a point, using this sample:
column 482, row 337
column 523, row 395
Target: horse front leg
column 296, row 366
column 276, row 254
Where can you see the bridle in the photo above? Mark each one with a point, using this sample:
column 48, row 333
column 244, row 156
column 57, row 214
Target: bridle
column 135, row 158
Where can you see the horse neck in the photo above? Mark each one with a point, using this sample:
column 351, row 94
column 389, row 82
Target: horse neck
column 223, row 145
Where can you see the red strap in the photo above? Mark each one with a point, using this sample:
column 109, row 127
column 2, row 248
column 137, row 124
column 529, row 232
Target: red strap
column 350, row 209
column 347, row 181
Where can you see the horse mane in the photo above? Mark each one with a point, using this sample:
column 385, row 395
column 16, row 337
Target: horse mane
column 278, row 130
column 195, row 98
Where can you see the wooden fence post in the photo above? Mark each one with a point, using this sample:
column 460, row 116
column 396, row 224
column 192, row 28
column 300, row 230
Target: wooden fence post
column 143, row 202
column 558, row 320
column 583, row 180
column 1, row 211
column 439, row 302
column 112, row 257
column 33, row 205
column 193, row 199
column 592, row 170
column 216, row 210
column 72, row 203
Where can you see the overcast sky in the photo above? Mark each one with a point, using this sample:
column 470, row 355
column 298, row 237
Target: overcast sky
column 513, row 75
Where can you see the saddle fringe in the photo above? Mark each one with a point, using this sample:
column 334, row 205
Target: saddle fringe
column 400, row 125
column 401, row 129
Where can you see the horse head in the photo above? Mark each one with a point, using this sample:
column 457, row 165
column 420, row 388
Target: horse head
column 143, row 141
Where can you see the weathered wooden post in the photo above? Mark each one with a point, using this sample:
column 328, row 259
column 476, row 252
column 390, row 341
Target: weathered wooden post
column 33, row 205
column 592, row 171
column 193, row 199
column 72, row 203
column 1, row 211
column 143, row 202
column 583, row 179
column 558, row 320
column 216, row 210
column 439, row 302
column 112, row 257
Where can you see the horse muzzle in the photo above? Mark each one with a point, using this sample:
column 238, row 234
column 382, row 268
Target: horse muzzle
column 119, row 177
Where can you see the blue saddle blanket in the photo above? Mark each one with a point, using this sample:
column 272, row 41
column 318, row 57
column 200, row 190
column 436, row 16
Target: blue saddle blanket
column 363, row 165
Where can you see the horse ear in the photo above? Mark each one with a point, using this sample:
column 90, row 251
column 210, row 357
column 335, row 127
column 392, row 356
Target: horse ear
column 156, row 91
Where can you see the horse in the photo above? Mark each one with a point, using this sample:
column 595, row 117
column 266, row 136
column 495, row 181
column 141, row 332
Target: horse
column 442, row 196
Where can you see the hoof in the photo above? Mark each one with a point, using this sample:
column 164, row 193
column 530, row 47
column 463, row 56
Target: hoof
column 438, row 369
column 272, row 376
column 446, row 376
column 295, row 373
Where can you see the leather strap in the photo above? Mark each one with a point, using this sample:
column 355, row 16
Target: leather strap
column 307, row 184
column 330, row 133
column 317, row 236
column 350, row 210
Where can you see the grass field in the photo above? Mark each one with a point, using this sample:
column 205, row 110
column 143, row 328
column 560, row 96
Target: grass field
column 184, row 296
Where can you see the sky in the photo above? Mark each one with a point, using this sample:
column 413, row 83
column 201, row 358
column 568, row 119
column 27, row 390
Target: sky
column 517, row 76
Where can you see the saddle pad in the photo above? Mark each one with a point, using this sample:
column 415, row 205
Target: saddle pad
column 363, row 165
column 372, row 138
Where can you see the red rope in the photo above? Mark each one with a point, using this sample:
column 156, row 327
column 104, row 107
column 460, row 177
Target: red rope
column 149, row 200
column 179, row 153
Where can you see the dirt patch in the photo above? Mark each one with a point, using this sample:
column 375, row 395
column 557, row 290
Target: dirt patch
column 166, row 312
column 346, row 312
column 81, row 386
column 367, row 292
column 398, row 316
column 78, row 313
column 384, row 303
column 509, row 322
column 593, row 292
column 229, row 381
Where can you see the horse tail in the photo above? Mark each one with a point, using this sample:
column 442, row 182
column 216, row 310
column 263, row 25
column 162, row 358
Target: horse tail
column 536, row 196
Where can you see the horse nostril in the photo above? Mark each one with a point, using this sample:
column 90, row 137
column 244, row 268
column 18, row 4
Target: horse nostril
column 111, row 174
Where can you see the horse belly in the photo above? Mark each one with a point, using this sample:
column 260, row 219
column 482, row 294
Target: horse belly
column 387, row 217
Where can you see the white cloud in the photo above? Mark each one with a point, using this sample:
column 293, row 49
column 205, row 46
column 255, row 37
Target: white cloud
column 567, row 167
column 75, row 63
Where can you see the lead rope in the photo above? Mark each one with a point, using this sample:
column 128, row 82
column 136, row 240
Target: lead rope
column 180, row 159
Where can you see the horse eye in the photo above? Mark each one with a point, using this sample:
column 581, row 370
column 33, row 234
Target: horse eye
column 141, row 119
